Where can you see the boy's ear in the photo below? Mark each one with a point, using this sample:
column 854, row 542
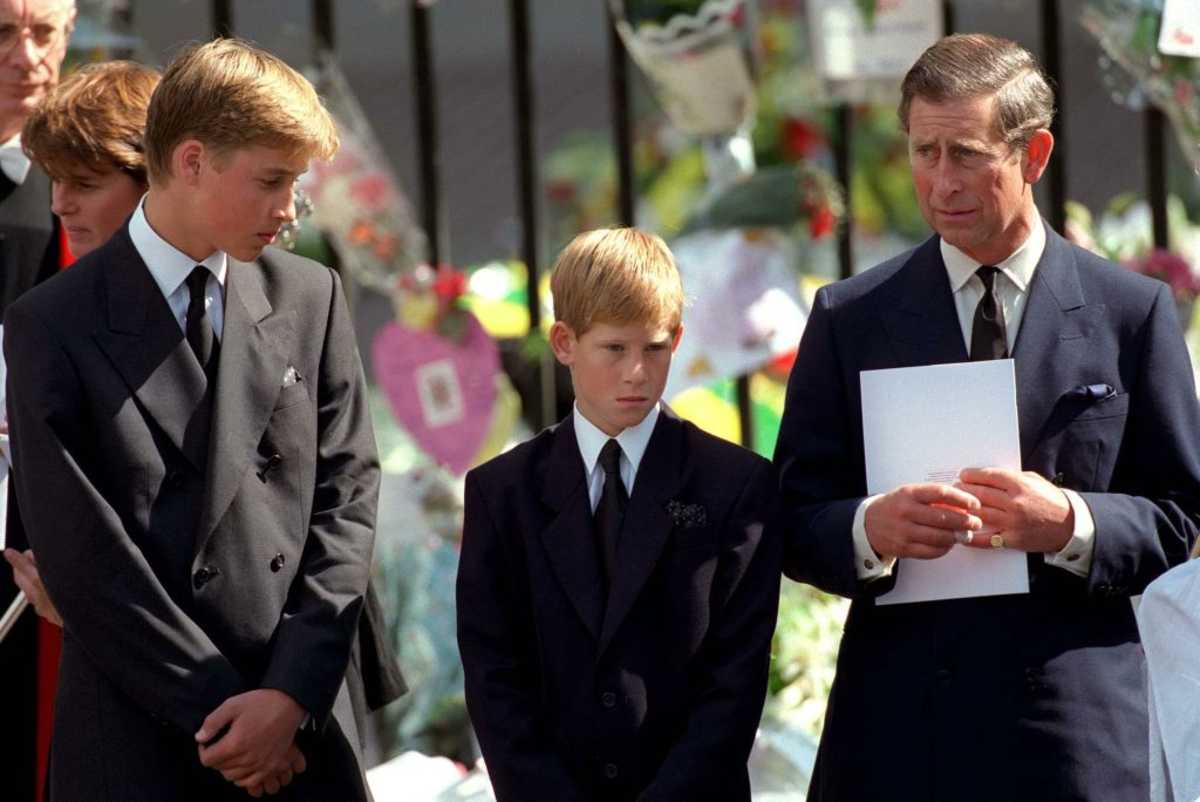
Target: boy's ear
column 677, row 338
column 188, row 160
column 562, row 342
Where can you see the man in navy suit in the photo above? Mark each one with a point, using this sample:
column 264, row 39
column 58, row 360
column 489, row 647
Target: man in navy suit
column 1038, row 696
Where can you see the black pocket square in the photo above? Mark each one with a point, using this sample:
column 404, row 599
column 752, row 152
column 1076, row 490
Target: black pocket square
column 687, row 516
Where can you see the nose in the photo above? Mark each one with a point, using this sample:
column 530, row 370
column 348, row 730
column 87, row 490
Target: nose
column 25, row 53
column 946, row 180
column 62, row 200
column 287, row 210
column 637, row 370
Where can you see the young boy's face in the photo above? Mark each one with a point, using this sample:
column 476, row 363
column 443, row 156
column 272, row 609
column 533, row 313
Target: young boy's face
column 243, row 197
column 619, row 371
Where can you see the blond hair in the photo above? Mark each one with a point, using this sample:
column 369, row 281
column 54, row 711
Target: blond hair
column 619, row 276
column 94, row 119
column 229, row 94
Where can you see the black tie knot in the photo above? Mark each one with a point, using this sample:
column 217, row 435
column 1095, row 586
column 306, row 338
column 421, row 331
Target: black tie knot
column 987, row 274
column 197, row 283
column 610, row 457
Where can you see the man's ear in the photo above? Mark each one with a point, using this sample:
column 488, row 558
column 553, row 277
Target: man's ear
column 678, row 336
column 563, row 342
column 1037, row 155
column 187, row 160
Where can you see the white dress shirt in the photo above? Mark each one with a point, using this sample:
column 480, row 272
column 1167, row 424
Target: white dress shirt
column 13, row 160
column 1012, row 285
column 170, row 268
column 633, row 442
column 1169, row 622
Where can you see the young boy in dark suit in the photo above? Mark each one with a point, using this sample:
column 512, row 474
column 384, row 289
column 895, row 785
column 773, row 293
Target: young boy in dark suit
column 616, row 596
column 193, row 407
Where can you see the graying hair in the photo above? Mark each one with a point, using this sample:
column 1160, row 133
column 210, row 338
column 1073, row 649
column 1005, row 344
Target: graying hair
column 971, row 65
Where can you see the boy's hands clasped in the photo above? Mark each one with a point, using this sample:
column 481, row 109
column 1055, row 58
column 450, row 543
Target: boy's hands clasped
column 255, row 747
column 921, row 520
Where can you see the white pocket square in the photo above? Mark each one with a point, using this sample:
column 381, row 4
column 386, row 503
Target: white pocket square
column 291, row 376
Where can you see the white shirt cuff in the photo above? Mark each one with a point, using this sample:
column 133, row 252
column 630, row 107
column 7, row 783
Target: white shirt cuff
column 1076, row 556
column 867, row 564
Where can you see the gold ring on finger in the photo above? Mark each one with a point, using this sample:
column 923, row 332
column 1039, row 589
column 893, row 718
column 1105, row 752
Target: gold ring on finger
column 997, row 541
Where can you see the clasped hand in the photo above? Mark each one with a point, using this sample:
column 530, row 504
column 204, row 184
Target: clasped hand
column 920, row 520
column 257, row 751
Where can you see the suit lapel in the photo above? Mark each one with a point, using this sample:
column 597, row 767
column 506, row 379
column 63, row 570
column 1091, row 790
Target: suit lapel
column 568, row 540
column 1054, row 312
column 147, row 347
column 647, row 525
column 254, row 354
column 920, row 316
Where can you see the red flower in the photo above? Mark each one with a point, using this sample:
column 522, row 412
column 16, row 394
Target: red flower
column 560, row 191
column 1171, row 268
column 821, row 223
column 800, row 139
column 450, row 284
column 781, row 366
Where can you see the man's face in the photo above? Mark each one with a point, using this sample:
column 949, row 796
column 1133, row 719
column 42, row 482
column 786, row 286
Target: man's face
column 973, row 189
column 92, row 205
column 243, row 197
column 33, row 42
column 618, row 371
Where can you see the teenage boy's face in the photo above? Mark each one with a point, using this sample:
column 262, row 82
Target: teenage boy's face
column 244, row 196
column 619, row 371
column 93, row 205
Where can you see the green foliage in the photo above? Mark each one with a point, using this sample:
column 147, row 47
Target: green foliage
column 804, row 653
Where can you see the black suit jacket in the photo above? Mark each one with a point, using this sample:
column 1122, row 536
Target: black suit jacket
column 29, row 253
column 654, row 696
column 185, row 575
column 1030, row 697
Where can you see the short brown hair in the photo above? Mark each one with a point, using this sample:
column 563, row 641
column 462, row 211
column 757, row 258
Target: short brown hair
column 616, row 275
column 970, row 65
column 94, row 119
column 230, row 94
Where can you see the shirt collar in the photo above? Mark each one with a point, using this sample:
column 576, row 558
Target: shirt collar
column 13, row 160
column 1018, row 267
column 633, row 440
column 168, row 265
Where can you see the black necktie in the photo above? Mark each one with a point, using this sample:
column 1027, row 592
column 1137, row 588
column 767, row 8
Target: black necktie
column 989, row 338
column 199, row 329
column 611, row 510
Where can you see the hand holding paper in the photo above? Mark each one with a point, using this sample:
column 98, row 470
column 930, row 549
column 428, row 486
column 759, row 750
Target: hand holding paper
column 921, row 427
column 1030, row 512
column 919, row 520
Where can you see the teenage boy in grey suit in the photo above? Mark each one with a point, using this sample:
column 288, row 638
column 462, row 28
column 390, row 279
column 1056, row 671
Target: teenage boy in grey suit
column 194, row 409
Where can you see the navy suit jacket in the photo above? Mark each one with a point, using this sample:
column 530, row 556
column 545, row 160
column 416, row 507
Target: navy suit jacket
column 1030, row 697
column 654, row 695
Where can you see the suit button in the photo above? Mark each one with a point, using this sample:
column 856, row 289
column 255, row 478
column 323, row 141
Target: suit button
column 272, row 463
column 608, row 699
column 203, row 576
column 1057, row 479
column 174, row 479
column 277, row 562
column 610, row 771
column 943, row 675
